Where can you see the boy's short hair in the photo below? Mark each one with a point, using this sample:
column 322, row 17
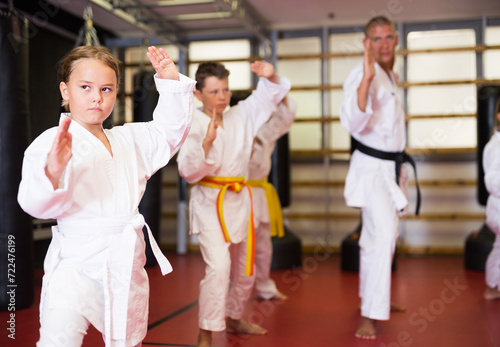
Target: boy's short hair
column 209, row 69
column 378, row 21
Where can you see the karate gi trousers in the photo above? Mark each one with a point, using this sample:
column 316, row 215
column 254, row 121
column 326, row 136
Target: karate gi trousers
column 493, row 265
column 264, row 284
column 377, row 243
column 225, row 289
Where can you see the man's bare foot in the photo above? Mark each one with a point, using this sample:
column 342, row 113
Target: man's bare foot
column 239, row 326
column 394, row 307
column 491, row 293
column 397, row 308
column 204, row 338
column 366, row 329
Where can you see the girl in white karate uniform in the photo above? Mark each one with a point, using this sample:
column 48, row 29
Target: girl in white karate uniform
column 91, row 180
column 491, row 165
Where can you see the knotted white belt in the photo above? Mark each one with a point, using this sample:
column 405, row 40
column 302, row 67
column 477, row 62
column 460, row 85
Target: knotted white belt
column 117, row 272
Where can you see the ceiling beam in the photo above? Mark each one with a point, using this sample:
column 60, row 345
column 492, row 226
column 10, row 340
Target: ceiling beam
column 165, row 31
column 192, row 16
column 247, row 16
column 166, row 3
column 203, row 34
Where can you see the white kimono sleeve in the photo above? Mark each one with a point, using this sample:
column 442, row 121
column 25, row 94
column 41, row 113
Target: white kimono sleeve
column 351, row 117
column 264, row 98
column 279, row 123
column 491, row 165
column 161, row 138
column 193, row 165
column 36, row 195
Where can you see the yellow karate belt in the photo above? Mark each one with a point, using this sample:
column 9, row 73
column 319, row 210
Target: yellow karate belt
column 273, row 205
column 234, row 184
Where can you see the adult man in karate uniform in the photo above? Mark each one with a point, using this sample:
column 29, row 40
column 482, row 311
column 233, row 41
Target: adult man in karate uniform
column 373, row 114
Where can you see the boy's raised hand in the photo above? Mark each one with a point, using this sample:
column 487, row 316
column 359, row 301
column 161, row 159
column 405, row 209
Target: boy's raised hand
column 264, row 69
column 164, row 66
column 211, row 132
column 60, row 153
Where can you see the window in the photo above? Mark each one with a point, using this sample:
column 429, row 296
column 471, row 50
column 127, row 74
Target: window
column 491, row 58
column 441, row 83
column 303, row 73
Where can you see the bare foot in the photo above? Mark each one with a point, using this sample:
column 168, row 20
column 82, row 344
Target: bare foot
column 366, row 329
column 491, row 293
column 239, row 326
column 394, row 307
column 397, row 308
column 204, row 338
column 279, row 296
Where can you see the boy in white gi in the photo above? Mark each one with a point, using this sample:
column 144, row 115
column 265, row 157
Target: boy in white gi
column 216, row 155
column 266, row 203
column 373, row 114
column 491, row 165
column 91, row 180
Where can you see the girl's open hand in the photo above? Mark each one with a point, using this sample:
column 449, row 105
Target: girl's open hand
column 60, row 153
column 162, row 63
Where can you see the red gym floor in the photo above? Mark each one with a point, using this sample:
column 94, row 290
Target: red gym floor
column 444, row 307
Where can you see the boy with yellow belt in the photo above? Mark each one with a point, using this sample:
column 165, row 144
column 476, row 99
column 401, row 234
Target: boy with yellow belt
column 216, row 154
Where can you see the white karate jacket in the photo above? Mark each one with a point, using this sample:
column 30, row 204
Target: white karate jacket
column 381, row 126
column 228, row 157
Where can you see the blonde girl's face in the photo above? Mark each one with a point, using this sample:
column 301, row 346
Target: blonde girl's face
column 91, row 92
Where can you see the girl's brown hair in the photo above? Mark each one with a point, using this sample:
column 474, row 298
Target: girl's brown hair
column 68, row 63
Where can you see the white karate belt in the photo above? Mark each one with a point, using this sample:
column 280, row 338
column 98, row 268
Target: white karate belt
column 119, row 263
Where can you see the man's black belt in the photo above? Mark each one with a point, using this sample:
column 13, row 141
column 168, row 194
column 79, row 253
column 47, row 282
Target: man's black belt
column 398, row 157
